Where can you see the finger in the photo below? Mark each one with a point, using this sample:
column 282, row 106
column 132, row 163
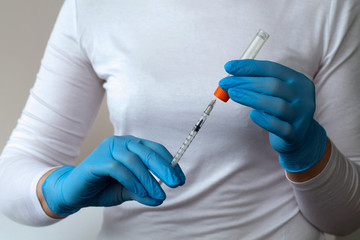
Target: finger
column 158, row 148
column 115, row 194
column 180, row 174
column 132, row 161
column 266, row 85
column 111, row 195
column 166, row 155
column 249, row 67
column 272, row 124
column 124, row 176
column 271, row 105
column 157, row 165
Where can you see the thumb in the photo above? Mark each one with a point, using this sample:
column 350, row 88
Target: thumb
column 116, row 194
column 148, row 201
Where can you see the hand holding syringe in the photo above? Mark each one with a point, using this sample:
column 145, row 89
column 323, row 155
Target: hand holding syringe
column 250, row 53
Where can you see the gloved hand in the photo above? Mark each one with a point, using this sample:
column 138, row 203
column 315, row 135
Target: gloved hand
column 284, row 104
column 116, row 171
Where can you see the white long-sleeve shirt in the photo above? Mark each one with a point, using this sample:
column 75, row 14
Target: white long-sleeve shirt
column 158, row 63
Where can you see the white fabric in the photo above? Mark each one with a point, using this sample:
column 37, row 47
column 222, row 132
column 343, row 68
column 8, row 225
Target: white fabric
column 159, row 62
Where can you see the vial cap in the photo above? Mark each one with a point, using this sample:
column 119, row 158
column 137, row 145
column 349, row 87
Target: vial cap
column 221, row 94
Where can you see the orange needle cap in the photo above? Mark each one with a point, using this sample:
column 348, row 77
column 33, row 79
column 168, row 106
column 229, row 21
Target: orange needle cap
column 221, row 94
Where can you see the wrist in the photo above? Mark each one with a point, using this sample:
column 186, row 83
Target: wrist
column 41, row 198
column 52, row 191
column 315, row 170
column 309, row 153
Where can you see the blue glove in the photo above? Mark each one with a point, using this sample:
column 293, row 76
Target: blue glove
column 284, row 104
column 116, row 171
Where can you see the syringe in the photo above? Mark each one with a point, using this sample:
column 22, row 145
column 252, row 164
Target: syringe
column 250, row 53
column 193, row 133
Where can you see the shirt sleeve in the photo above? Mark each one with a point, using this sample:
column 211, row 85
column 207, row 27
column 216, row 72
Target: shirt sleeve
column 61, row 107
column 331, row 201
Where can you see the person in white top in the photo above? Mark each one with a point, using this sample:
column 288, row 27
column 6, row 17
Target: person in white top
column 158, row 63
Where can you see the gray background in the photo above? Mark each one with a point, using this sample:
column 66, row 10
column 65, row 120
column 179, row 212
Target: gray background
column 25, row 27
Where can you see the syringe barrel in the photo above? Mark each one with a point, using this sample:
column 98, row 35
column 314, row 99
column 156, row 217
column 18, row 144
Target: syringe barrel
column 189, row 139
column 183, row 148
column 255, row 45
